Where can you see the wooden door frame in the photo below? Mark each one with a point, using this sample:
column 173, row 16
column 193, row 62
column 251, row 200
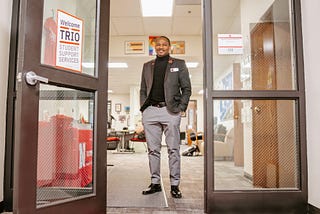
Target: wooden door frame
column 11, row 96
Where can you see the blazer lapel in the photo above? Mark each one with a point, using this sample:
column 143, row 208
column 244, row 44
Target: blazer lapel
column 170, row 61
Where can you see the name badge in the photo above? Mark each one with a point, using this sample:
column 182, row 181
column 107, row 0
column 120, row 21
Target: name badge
column 174, row 69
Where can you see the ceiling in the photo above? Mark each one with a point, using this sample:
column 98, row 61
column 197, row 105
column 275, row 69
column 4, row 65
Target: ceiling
column 126, row 19
column 127, row 22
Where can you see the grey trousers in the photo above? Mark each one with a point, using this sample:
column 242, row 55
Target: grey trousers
column 155, row 122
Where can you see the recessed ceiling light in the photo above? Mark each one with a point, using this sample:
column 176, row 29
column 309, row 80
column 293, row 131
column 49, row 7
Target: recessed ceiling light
column 155, row 8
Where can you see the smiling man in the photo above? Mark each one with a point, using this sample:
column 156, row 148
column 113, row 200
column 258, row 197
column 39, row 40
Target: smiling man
column 165, row 91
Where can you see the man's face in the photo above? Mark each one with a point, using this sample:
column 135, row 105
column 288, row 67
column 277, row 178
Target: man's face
column 162, row 47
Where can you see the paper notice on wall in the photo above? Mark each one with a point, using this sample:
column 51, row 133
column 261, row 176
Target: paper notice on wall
column 69, row 42
column 230, row 44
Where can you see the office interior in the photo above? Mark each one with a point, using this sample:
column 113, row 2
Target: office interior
column 235, row 121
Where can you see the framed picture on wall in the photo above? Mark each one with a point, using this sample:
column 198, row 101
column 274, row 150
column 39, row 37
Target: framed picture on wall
column 152, row 42
column 117, row 107
column 134, row 47
column 177, row 47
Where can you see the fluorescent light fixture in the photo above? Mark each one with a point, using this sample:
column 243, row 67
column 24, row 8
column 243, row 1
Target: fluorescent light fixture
column 192, row 64
column 201, row 91
column 156, row 8
column 117, row 65
column 110, row 65
column 110, row 91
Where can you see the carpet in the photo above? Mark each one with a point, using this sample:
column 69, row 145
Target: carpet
column 125, row 186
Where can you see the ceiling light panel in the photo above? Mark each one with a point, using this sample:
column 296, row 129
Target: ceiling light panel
column 156, row 8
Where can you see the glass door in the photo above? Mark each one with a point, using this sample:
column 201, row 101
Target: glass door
column 256, row 158
column 61, row 105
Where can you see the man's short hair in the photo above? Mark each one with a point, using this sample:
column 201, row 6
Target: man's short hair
column 166, row 38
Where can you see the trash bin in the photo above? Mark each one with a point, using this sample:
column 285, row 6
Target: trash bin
column 67, row 151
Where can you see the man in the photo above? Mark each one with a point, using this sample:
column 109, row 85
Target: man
column 164, row 93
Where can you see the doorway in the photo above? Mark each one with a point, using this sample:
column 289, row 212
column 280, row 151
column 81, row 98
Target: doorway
column 131, row 42
column 234, row 101
column 232, row 104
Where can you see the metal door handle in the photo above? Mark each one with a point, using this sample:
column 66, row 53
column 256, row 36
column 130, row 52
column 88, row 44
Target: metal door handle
column 32, row 78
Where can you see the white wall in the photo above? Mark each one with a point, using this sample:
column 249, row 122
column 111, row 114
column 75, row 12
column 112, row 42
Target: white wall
column 192, row 48
column 117, row 83
column 124, row 100
column 311, row 35
column 193, row 53
column 5, row 28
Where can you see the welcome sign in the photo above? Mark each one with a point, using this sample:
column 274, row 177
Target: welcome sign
column 69, row 42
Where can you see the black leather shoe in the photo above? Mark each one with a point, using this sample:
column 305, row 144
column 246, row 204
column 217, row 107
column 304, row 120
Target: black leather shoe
column 153, row 188
column 175, row 192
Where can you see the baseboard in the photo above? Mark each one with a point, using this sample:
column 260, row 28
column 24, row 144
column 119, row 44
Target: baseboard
column 313, row 209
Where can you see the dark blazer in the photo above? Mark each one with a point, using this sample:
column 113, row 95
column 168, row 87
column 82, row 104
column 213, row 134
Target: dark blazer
column 177, row 86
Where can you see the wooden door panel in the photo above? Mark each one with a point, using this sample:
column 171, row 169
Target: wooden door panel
column 271, row 70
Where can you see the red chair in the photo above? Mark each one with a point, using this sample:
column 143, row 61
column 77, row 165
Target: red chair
column 138, row 138
column 112, row 142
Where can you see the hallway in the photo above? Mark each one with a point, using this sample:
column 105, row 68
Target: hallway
column 191, row 186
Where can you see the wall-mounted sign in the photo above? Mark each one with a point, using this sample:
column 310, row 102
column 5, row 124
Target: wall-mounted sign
column 230, row 44
column 69, row 41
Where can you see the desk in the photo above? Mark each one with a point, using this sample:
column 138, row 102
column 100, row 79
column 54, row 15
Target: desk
column 124, row 135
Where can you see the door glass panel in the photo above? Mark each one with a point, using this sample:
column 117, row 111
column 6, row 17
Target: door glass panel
column 68, row 35
column 255, row 145
column 252, row 45
column 65, row 145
